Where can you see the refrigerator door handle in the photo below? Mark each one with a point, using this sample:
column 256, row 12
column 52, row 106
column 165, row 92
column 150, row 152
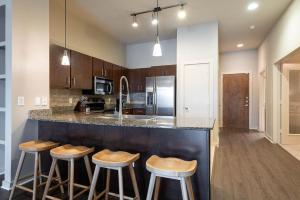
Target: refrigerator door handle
column 156, row 107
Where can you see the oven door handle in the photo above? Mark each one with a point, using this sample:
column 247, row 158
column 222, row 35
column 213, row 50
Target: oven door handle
column 110, row 86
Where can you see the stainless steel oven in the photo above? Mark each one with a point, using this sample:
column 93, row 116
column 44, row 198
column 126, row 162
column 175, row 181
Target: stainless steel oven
column 103, row 86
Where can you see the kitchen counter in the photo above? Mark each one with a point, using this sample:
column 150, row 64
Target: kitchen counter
column 110, row 120
column 188, row 139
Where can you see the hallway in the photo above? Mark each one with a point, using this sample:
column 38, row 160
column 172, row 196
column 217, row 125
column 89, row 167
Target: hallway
column 248, row 166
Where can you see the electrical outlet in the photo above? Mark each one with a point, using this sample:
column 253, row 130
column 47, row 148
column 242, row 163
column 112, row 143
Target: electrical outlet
column 21, row 101
column 44, row 101
column 70, row 100
column 38, row 101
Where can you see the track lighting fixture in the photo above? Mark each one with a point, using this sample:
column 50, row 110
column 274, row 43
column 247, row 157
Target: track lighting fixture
column 154, row 18
column 134, row 23
column 181, row 13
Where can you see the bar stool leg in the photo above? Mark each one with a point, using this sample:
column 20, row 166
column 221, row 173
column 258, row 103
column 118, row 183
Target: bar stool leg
column 107, row 184
column 89, row 171
column 190, row 188
column 94, row 182
column 52, row 168
column 121, row 193
column 183, row 189
column 21, row 161
column 157, row 186
column 59, row 179
column 72, row 180
column 40, row 170
column 35, row 175
column 69, row 174
column 134, row 183
column 151, row 186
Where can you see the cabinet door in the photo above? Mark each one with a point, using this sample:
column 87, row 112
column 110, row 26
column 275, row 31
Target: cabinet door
column 133, row 76
column 98, row 67
column 81, row 71
column 116, row 77
column 170, row 70
column 108, row 71
column 59, row 74
column 142, row 79
column 139, row 111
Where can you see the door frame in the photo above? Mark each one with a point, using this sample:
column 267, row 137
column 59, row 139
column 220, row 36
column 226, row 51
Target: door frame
column 250, row 96
column 290, row 138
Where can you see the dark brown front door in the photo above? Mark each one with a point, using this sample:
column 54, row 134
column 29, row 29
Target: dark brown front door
column 236, row 100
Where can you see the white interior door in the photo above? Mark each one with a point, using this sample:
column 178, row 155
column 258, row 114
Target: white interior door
column 197, row 86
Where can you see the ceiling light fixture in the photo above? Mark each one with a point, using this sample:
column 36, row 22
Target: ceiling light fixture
column 181, row 13
column 252, row 27
column 157, row 48
column 253, row 6
column 134, row 22
column 65, row 59
column 240, row 45
column 154, row 18
column 154, row 11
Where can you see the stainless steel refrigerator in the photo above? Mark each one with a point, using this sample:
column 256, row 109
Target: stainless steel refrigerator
column 160, row 95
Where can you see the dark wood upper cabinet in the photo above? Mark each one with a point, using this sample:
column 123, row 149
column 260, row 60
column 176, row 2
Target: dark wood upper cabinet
column 81, row 71
column 117, row 73
column 165, row 70
column 98, row 67
column 137, row 79
column 59, row 74
column 102, row 68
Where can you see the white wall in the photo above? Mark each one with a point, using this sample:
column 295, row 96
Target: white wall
column 198, row 44
column 29, row 75
column 243, row 62
column 140, row 55
column 282, row 40
column 82, row 36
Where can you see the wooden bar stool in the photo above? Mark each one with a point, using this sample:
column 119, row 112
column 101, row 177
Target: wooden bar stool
column 171, row 168
column 114, row 161
column 69, row 153
column 36, row 148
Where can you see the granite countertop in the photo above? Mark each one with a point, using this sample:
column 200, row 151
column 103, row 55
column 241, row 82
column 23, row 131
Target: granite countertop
column 110, row 120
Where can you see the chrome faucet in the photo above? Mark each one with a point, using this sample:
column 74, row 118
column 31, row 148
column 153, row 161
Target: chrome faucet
column 121, row 95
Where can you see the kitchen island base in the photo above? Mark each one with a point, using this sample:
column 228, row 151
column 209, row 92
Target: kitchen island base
column 187, row 144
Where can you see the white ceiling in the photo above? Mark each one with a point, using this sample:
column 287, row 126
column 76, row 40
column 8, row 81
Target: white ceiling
column 113, row 16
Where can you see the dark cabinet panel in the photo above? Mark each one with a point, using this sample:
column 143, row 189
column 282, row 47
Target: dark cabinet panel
column 98, row 67
column 59, row 74
column 81, row 71
column 139, row 111
column 166, row 70
column 108, row 71
column 117, row 73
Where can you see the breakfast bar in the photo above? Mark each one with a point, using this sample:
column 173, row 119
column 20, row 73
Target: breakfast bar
column 187, row 139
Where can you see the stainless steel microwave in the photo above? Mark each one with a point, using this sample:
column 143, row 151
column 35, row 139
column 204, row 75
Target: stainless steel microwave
column 103, row 86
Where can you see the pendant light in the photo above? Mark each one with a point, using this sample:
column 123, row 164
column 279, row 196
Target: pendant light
column 65, row 59
column 157, row 48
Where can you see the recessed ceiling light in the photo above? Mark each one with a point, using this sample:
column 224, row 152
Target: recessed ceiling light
column 240, row 45
column 252, row 27
column 253, row 6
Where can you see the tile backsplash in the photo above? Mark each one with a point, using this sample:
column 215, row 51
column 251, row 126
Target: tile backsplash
column 137, row 98
column 62, row 97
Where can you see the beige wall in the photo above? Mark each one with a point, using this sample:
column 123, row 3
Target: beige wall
column 282, row 40
column 84, row 37
column 28, row 49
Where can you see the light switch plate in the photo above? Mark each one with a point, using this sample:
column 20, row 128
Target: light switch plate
column 44, row 101
column 21, row 101
column 38, row 101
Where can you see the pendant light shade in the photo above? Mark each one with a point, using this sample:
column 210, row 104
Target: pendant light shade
column 65, row 59
column 157, row 48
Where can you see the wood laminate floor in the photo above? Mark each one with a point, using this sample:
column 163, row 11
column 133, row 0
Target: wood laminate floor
column 248, row 167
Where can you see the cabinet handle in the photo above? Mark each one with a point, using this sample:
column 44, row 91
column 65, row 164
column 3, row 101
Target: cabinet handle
column 105, row 72
column 102, row 72
column 74, row 81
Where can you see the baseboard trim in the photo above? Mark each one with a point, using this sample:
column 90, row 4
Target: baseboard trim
column 270, row 140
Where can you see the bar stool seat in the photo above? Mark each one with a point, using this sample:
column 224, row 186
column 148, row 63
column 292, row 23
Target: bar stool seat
column 171, row 166
column 117, row 160
column 69, row 151
column 37, row 146
column 114, row 159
